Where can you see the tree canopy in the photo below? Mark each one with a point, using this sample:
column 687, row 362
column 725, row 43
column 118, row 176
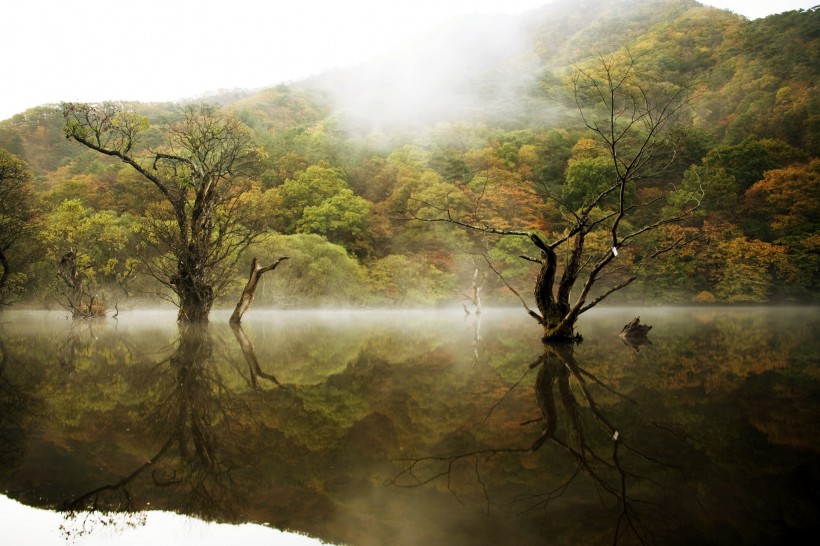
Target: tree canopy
column 180, row 192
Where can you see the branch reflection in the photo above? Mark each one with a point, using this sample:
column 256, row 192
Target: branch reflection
column 254, row 369
column 628, row 481
column 206, row 427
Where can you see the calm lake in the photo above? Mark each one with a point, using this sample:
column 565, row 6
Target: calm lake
column 413, row 428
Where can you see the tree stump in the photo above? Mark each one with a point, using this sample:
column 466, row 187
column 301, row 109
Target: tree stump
column 635, row 330
column 250, row 288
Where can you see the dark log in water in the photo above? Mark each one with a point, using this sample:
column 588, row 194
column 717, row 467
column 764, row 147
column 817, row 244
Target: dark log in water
column 635, row 330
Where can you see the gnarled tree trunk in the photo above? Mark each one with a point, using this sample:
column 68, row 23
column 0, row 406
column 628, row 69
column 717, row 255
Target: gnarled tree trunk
column 196, row 297
column 195, row 300
column 555, row 317
column 201, row 171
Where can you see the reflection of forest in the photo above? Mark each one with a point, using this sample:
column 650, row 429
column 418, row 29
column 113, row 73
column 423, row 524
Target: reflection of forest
column 303, row 424
column 14, row 408
column 204, row 422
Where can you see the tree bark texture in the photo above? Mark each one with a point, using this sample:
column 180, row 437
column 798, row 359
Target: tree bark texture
column 196, row 297
column 554, row 312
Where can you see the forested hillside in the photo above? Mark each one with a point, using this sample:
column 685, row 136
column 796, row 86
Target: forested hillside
column 358, row 171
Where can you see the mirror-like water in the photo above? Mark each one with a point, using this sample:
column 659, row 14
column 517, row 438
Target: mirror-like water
column 412, row 427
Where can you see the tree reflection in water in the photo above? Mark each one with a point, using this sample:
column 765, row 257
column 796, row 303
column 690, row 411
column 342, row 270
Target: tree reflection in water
column 206, row 427
column 598, row 452
column 15, row 406
column 149, row 417
column 254, row 369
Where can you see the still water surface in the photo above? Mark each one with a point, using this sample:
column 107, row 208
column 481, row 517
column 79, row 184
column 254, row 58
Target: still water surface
column 410, row 427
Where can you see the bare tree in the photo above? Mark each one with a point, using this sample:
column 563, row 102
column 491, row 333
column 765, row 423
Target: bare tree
column 201, row 171
column 632, row 117
column 249, row 292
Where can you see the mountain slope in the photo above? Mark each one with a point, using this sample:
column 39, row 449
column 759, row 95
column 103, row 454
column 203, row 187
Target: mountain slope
column 488, row 68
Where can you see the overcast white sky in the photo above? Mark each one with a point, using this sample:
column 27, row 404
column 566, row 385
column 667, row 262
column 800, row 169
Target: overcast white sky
column 154, row 50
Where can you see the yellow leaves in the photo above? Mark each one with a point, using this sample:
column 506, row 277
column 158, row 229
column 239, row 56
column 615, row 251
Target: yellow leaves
column 502, row 199
column 704, row 297
column 129, row 121
column 744, row 268
column 587, row 148
column 528, row 155
column 109, row 268
column 484, row 159
column 789, row 196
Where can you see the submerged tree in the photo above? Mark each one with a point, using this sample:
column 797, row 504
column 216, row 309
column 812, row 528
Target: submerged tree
column 202, row 171
column 632, row 120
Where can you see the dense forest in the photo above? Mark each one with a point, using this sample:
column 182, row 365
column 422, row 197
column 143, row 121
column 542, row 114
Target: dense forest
column 372, row 181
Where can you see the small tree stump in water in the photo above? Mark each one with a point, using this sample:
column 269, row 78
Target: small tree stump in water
column 635, row 330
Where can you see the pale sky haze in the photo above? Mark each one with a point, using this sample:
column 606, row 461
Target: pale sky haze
column 158, row 50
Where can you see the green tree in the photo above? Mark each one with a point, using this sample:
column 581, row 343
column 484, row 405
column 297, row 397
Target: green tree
column 18, row 212
column 399, row 280
column 87, row 251
column 318, row 200
column 343, row 219
column 201, row 171
column 318, row 272
column 713, row 185
column 586, row 178
column 748, row 161
column 309, row 188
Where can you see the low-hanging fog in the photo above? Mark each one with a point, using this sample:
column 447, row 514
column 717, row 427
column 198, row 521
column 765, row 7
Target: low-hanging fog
column 469, row 68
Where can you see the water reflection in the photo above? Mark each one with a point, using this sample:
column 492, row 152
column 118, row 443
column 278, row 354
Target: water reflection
column 25, row 525
column 308, row 421
column 590, row 442
column 254, row 369
column 206, row 427
column 14, row 406
column 636, row 343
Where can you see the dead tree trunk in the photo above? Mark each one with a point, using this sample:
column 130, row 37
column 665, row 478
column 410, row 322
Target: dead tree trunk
column 475, row 292
column 250, row 288
column 556, row 317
